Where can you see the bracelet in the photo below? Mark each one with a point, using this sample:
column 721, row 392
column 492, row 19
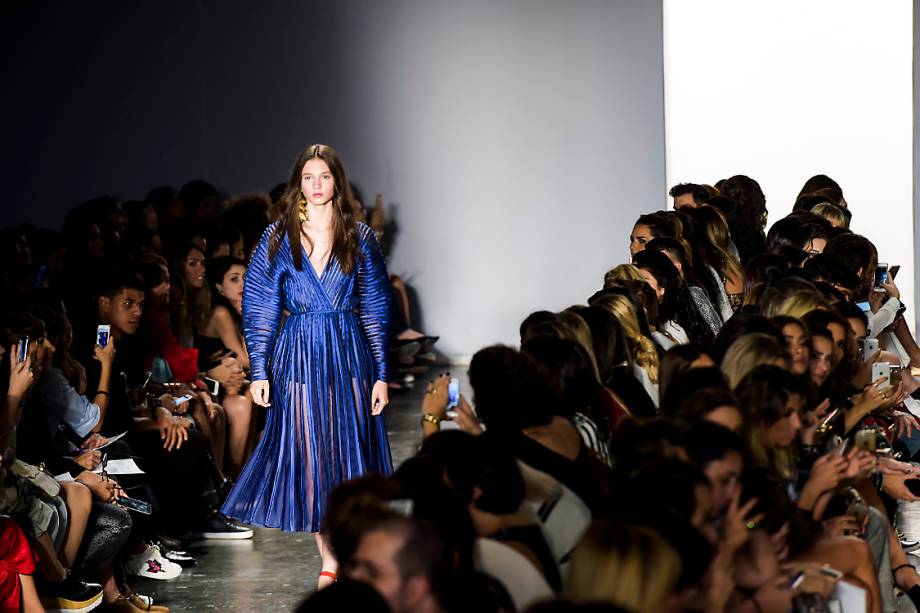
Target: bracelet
column 101, row 393
column 431, row 419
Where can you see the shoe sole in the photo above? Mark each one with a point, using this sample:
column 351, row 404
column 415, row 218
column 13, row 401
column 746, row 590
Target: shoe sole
column 80, row 607
column 223, row 536
column 156, row 576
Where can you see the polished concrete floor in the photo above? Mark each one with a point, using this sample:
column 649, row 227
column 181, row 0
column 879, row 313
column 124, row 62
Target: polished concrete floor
column 274, row 570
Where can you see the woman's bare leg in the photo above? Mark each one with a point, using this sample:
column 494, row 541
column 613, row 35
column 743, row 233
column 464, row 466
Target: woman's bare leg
column 49, row 566
column 31, row 603
column 79, row 501
column 240, row 424
column 214, row 431
column 330, row 564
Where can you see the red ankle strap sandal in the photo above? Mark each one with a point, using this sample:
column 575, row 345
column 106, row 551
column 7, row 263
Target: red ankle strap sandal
column 326, row 573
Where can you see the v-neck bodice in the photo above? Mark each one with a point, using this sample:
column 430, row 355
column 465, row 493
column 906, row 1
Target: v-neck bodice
column 275, row 283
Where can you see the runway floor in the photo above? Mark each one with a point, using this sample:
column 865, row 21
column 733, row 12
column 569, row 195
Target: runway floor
column 274, row 570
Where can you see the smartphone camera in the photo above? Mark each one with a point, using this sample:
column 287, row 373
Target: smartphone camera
column 881, row 370
column 869, row 348
column 453, row 393
column 102, row 335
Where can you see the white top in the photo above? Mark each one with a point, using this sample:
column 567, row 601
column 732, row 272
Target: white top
column 523, row 582
column 674, row 330
column 884, row 317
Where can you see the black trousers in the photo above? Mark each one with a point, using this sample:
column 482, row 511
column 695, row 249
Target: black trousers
column 181, row 479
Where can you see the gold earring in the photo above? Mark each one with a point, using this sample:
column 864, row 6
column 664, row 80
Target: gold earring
column 303, row 209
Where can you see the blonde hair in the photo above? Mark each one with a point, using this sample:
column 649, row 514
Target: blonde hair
column 641, row 347
column 832, row 213
column 801, row 302
column 629, row 566
column 577, row 329
column 623, row 272
column 750, row 351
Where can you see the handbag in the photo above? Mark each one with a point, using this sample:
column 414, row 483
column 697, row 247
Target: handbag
column 38, row 478
column 160, row 372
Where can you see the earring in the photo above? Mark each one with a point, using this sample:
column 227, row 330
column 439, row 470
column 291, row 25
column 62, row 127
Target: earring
column 303, row 209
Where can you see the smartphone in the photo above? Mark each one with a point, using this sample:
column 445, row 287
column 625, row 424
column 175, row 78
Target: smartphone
column 869, row 348
column 183, row 399
column 881, row 369
column 895, row 377
column 881, row 276
column 213, row 385
column 831, row 572
column 796, row 580
column 102, row 335
column 893, row 271
column 845, row 447
column 867, row 440
column 141, row 506
column 827, row 419
column 453, row 393
column 864, row 306
column 22, row 349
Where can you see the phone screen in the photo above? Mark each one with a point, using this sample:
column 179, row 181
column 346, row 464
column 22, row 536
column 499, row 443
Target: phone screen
column 23, row 348
column 102, row 335
column 881, row 274
column 453, row 393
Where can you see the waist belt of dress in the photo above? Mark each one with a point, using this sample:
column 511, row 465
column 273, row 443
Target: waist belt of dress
column 323, row 312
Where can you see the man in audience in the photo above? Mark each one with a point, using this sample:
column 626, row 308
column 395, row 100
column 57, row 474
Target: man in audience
column 689, row 195
column 407, row 562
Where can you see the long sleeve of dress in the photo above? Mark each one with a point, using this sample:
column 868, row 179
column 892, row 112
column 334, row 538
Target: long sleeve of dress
column 262, row 302
column 374, row 299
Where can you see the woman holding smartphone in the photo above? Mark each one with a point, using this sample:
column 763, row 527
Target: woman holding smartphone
column 324, row 371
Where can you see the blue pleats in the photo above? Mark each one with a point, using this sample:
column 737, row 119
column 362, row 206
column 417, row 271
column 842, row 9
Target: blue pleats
column 321, row 366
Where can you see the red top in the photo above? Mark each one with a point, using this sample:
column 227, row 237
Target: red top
column 159, row 340
column 15, row 559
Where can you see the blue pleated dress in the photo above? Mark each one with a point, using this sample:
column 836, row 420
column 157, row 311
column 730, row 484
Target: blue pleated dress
column 321, row 365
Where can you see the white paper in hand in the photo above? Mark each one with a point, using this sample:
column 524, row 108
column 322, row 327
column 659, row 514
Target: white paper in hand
column 120, row 467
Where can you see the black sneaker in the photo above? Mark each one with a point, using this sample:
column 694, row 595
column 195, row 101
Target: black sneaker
column 70, row 596
column 179, row 543
column 219, row 527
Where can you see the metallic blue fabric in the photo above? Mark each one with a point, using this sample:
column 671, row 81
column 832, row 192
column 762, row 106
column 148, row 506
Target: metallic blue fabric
column 321, row 366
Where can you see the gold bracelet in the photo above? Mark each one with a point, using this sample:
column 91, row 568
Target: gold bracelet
column 431, row 419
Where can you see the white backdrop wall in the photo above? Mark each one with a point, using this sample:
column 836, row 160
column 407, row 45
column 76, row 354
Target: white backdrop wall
column 519, row 140
column 784, row 90
column 515, row 142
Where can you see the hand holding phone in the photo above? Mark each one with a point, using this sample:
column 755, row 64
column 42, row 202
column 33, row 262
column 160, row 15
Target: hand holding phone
column 103, row 334
column 882, row 370
column 22, row 349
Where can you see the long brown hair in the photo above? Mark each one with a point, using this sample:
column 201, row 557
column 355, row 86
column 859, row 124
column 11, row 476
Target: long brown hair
column 344, row 229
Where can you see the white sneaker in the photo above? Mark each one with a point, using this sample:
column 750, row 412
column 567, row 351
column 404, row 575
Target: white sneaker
column 152, row 565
